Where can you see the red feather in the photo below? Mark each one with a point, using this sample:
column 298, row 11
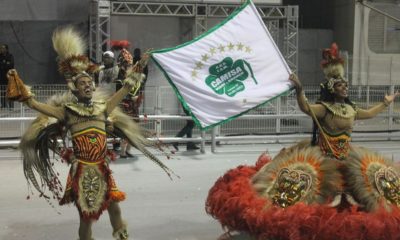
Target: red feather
column 334, row 51
column 237, row 206
column 331, row 56
column 119, row 44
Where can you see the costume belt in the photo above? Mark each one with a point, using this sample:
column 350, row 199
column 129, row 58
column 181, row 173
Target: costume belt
column 339, row 145
column 86, row 162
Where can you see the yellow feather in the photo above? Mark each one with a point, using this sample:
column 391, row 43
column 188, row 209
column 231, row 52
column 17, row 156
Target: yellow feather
column 68, row 42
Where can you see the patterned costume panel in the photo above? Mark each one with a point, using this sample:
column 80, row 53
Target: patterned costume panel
column 90, row 184
column 339, row 145
column 90, row 144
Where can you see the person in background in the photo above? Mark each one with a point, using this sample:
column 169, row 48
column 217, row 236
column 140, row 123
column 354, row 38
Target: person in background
column 138, row 57
column 6, row 63
column 141, row 60
column 108, row 73
column 124, row 61
column 106, row 80
column 186, row 130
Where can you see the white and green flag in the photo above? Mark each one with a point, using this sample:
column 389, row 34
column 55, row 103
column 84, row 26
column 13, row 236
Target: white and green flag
column 227, row 71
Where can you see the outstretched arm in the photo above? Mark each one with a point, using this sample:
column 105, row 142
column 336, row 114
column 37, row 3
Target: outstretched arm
column 375, row 110
column 318, row 109
column 46, row 109
column 132, row 81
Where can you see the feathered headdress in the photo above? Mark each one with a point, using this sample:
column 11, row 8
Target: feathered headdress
column 72, row 61
column 119, row 44
column 125, row 58
column 332, row 66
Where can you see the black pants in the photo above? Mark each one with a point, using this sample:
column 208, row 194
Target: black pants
column 186, row 130
column 3, row 100
column 3, row 96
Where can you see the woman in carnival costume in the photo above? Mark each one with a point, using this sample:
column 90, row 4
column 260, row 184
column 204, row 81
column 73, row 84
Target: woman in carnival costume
column 130, row 103
column 325, row 188
column 89, row 117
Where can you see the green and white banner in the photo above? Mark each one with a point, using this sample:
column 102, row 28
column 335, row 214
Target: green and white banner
column 227, row 71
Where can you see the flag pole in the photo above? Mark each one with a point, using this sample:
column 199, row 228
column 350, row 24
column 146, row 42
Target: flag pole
column 321, row 130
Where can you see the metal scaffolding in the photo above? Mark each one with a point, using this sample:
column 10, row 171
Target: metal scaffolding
column 282, row 21
column 100, row 28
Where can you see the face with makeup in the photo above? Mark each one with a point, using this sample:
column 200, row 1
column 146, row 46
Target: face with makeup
column 340, row 91
column 84, row 89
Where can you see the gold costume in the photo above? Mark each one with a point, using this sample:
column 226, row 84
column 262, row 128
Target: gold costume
column 89, row 117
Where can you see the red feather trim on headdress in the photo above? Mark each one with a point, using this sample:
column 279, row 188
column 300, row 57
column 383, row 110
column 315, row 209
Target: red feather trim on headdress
column 120, row 44
column 334, row 50
column 76, row 64
column 331, row 56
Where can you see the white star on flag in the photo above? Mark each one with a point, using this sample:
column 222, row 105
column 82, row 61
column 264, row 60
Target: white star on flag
column 217, row 82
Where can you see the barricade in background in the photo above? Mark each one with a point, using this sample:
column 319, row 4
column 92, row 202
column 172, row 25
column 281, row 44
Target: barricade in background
column 278, row 120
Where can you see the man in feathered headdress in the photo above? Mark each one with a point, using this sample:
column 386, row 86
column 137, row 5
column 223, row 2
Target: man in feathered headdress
column 90, row 185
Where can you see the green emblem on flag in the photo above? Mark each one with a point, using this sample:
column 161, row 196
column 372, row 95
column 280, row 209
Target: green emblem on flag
column 227, row 76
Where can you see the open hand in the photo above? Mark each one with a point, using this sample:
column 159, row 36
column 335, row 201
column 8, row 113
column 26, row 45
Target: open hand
column 390, row 98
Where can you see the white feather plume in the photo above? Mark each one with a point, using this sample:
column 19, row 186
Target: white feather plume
column 68, row 42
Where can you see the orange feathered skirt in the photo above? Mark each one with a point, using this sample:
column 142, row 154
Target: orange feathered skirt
column 235, row 203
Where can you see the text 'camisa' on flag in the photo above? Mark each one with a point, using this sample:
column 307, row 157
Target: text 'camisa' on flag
column 227, row 71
